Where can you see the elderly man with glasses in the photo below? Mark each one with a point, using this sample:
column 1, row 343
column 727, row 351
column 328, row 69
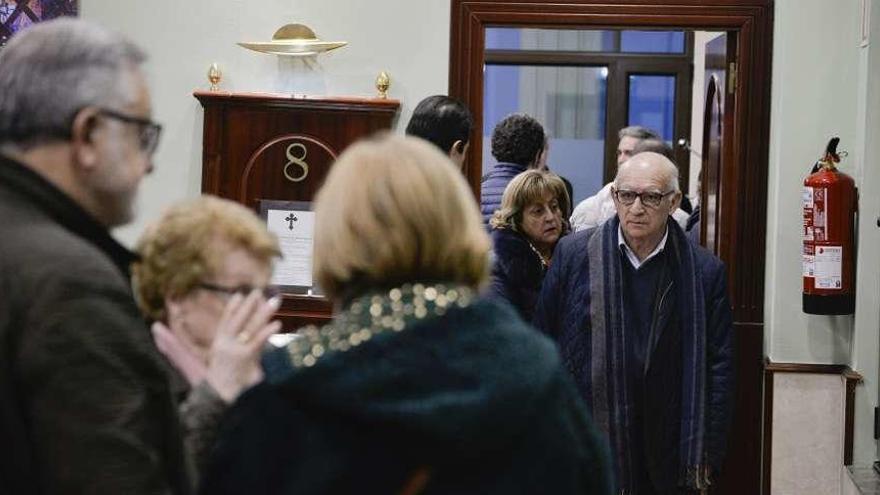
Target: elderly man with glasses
column 642, row 319
column 85, row 404
column 85, row 400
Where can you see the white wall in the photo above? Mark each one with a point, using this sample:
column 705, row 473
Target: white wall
column 824, row 84
column 866, row 338
column 813, row 98
column 183, row 38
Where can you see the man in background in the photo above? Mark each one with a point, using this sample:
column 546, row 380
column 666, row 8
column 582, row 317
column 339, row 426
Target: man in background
column 598, row 208
column 445, row 122
column 518, row 143
column 85, row 405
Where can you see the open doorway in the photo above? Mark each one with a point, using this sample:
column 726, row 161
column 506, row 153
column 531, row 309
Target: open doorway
column 584, row 85
column 736, row 138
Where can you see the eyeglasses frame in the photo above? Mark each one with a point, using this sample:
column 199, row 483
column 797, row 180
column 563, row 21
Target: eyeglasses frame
column 268, row 292
column 640, row 196
column 150, row 131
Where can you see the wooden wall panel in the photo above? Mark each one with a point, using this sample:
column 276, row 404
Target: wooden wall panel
column 278, row 147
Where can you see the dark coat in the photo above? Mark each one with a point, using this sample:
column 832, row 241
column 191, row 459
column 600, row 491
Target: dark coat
column 562, row 313
column 85, row 405
column 492, row 187
column 517, row 272
column 475, row 400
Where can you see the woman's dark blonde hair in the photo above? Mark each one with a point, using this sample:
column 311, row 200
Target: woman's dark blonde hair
column 187, row 245
column 395, row 210
column 531, row 186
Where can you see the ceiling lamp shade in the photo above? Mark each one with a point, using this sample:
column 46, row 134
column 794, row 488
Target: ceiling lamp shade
column 293, row 40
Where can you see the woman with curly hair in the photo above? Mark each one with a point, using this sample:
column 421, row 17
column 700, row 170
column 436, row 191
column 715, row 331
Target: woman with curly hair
column 202, row 280
column 524, row 232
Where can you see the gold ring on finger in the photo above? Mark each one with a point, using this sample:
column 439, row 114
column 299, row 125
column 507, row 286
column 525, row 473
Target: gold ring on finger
column 243, row 337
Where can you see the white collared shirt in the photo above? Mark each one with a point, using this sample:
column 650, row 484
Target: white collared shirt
column 631, row 255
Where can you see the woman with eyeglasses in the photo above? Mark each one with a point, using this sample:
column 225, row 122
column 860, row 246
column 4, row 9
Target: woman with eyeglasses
column 524, row 232
column 417, row 385
column 202, row 280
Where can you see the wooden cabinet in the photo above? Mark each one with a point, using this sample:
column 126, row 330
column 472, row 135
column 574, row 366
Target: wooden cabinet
column 279, row 147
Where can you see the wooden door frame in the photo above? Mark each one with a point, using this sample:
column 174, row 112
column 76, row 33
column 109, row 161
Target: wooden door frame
column 743, row 194
column 744, row 180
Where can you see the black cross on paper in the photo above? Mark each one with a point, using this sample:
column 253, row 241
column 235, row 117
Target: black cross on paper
column 291, row 218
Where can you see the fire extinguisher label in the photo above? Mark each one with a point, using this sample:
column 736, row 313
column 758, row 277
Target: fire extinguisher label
column 809, row 260
column 809, row 266
column 815, row 213
column 828, row 264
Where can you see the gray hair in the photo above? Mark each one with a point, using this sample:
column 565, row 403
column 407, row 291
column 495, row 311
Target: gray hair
column 655, row 145
column 52, row 70
column 638, row 132
column 670, row 171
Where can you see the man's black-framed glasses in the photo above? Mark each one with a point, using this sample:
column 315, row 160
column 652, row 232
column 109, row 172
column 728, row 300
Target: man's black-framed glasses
column 649, row 199
column 268, row 292
column 148, row 138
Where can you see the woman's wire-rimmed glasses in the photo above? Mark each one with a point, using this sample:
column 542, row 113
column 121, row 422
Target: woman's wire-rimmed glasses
column 268, row 292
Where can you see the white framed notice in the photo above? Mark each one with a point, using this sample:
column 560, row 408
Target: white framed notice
column 293, row 223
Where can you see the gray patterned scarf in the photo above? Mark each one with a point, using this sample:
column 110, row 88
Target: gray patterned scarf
column 609, row 344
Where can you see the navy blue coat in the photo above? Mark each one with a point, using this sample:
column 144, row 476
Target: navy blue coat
column 476, row 396
column 517, row 272
column 492, row 187
column 562, row 312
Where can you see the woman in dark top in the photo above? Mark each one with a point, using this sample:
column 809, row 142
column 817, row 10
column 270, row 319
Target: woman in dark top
column 524, row 232
column 416, row 385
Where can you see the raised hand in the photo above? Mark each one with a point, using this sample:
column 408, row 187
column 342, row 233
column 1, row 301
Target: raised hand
column 244, row 328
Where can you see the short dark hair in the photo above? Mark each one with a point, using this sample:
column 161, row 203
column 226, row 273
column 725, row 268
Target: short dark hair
column 638, row 132
column 441, row 120
column 656, row 146
column 518, row 139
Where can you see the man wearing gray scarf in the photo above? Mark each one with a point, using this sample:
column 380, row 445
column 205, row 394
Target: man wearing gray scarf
column 642, row 319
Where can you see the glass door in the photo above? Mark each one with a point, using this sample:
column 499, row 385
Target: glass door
column 584, row 86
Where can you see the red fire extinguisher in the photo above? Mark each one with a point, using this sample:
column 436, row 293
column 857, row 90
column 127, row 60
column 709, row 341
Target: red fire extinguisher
column 830, row 203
